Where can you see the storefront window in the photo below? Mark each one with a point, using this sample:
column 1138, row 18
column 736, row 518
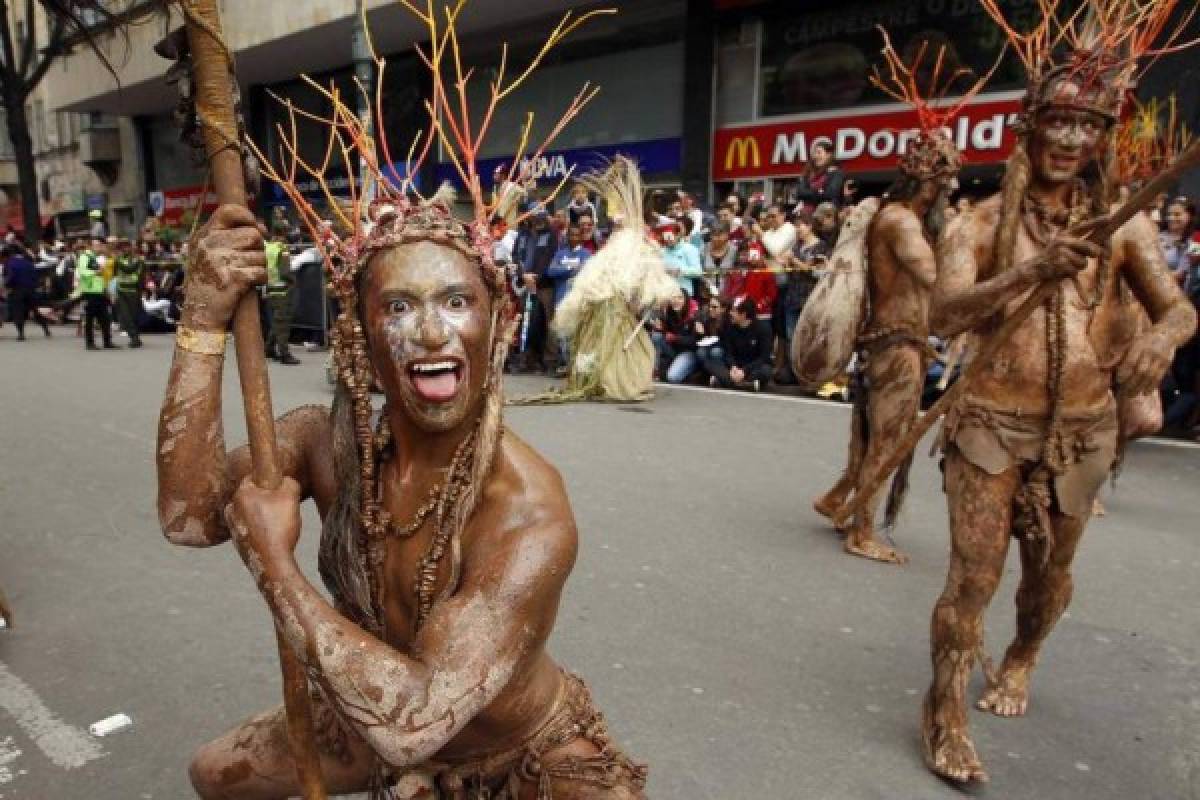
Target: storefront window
column 822, row 59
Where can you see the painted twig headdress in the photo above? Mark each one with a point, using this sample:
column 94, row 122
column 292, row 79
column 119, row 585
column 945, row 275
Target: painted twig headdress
column 383, row 212
column 926, row 86
column 1086, row 59
column 1089, row 58
column 1148, row 139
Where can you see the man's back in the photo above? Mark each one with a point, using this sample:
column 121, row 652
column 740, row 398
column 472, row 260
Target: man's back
column 899, row 296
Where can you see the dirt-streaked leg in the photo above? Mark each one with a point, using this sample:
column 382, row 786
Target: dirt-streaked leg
column 980, row 507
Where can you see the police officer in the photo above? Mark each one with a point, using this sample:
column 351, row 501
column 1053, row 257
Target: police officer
column 280, row 283
column 129, row 270
column 90, row 286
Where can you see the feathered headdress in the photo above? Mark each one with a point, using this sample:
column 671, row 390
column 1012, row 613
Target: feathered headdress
column 925, row 85
column 382, row 212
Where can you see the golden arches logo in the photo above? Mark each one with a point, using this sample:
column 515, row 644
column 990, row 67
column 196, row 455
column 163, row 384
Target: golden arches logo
column 743, row 150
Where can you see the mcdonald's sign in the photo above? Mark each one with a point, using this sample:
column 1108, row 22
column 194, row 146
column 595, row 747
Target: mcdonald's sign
column 864, row 140
column 742, row 153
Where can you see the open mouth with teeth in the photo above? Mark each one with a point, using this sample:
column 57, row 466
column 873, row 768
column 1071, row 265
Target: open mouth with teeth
column 436, row 381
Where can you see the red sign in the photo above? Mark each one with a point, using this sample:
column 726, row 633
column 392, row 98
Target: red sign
column 171, row 205
column 864, row 141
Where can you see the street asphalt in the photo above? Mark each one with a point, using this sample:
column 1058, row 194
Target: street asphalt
column 730, row 642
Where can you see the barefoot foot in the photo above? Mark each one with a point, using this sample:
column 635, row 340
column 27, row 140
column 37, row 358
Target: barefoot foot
column 859, row 543
column 949, row 752
column 1009, row 695
column 827, row 505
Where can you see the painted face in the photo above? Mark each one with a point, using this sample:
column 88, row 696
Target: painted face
column 428, row 315
column 1064, row 141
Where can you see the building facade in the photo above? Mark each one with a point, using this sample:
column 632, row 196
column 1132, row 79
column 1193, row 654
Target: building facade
column 710, row 95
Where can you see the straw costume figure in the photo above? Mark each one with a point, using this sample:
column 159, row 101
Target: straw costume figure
column 446, row 540
column 901, row 269
column 612, row 355
column 1032, row 437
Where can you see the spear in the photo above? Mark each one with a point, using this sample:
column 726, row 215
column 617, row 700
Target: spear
column 1098, row 231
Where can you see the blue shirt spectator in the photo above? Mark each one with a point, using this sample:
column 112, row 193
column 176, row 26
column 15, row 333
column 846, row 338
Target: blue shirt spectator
column 567, row 263
column 682, row 260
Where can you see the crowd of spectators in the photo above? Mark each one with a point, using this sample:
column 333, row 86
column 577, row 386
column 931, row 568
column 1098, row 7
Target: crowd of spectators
column 745, row 270
column 138, row 284
column 1180, row 239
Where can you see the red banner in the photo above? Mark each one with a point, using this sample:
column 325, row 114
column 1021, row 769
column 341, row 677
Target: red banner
column 864, row 141
column 172, row 205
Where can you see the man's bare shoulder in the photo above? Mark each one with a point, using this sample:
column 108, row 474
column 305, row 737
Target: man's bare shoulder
column 307, row 433
column 985, row 216
column 896, row 216
column 526, row 502
column 1139, row 229
column 975, row 228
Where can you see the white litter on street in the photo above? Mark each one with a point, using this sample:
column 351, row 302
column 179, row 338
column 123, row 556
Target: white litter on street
column 65, row 745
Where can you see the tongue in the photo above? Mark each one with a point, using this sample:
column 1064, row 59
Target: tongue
column 436, row 387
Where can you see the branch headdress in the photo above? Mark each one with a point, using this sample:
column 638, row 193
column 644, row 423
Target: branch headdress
column 925, row 85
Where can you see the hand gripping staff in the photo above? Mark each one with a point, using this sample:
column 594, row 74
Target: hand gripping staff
column 1097, row 231
column 213, row 86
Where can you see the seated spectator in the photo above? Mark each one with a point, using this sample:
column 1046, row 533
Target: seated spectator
column 709, row 324
column 746, row 342
column 158, row 307
column 674, row 335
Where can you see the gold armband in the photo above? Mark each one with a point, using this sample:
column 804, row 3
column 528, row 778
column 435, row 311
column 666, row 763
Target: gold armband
column 202, row 342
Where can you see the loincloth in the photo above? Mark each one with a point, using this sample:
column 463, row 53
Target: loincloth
column 997, row 440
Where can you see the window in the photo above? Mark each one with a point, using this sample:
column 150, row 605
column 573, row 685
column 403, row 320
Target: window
column 822, row 59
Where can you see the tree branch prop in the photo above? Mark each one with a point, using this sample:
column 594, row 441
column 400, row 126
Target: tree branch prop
column 215, row 110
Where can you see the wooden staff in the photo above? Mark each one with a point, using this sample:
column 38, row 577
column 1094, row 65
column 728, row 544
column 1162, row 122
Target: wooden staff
column 1096, row 231
column 213, row 87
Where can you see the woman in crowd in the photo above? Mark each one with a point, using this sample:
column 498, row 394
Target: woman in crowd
column 805, row 265
column 1176, row 238
column 823, row 180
